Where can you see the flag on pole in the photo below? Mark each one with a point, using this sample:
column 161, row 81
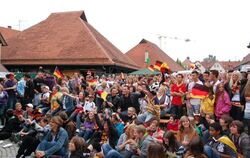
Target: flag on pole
column 57, row 73
column 103, row 94
column 151, row 68
column 147, row 59
column 92, row 82
column 165, row 68
column 157, row 65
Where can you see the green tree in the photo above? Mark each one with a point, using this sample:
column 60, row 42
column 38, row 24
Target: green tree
column 210, row 58
column 178, row 61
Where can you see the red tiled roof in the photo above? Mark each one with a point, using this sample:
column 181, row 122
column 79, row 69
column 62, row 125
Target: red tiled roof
column 186, row 62
column 7, row 33
column 207, row 65
column 137, row 54
column 229, row 65
column 63, row 39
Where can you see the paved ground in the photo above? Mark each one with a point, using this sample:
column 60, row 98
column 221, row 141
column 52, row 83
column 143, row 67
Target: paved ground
column 8, row 152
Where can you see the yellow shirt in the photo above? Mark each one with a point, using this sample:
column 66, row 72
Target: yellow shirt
column 207, row 105
column 54, row 103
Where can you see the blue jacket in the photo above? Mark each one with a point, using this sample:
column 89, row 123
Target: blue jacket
column 67, row 103
column 61, row 143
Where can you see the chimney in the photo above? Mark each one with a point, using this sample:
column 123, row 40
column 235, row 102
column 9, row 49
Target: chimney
column 9, row 27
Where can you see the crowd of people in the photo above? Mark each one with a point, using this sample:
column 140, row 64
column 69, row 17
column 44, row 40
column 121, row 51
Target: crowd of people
column 125, row 116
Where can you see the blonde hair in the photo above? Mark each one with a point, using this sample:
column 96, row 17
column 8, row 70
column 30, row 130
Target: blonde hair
column 129, row 129
column 237, row 73
column 183, row 119
column 18, row 104
column 65, row 89
column 140, row 129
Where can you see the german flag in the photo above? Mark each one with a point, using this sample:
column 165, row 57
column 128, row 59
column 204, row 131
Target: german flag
column 165, row 68
column 103, row 94
column 57, row 73
column 92, row 82
column 199, row 91
column 151, row 68
column 157, row 65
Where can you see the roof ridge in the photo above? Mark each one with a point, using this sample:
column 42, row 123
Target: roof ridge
column 98, row 43
column 67, row 12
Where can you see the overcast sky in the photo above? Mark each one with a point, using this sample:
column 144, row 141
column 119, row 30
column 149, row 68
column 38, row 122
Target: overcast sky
column 217, row 27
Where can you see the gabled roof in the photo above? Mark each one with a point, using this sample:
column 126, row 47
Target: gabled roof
column 207, row 65
column 8, row 33
column 187, row 62
column 137, row 54
column 246, row 59
column 64, row 38
column 229, row 65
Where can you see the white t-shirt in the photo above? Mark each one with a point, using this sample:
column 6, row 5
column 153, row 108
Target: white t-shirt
column 215, row 85
column 89, row 106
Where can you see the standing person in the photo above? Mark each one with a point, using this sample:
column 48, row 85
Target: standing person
column 3, row 103
column 214, row 81
column 55, row 142
column 193, row 104
column 38, row 82
column 222, row 101
column 206, row 79
column 247, row 105
column 235, row 91
column 178, row 92
column 29, row 89
column 207, row 104
column 10, row 88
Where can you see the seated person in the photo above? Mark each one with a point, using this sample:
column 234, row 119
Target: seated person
column 218, row 145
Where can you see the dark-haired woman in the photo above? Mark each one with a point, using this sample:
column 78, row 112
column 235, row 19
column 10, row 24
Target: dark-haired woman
column 171, row 146
column 196, row 149
column 78, row 148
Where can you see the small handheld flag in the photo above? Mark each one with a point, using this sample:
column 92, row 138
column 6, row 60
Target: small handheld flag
column 58, row 73
column 151, row 68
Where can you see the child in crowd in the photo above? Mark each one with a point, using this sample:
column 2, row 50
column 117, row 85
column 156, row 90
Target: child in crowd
column 89, row 103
